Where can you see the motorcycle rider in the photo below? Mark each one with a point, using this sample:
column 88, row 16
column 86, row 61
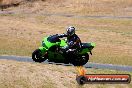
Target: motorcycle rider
column 73, row 40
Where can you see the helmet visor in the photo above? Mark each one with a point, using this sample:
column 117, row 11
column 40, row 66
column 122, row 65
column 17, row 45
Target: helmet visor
column 70, row 33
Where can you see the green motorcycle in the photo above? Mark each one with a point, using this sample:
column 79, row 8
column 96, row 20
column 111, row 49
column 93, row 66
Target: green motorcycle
column 51, row 50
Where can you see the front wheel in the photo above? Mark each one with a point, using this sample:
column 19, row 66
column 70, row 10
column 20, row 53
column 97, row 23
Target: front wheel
column 37, row 56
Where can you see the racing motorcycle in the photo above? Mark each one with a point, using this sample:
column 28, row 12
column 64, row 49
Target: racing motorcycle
column 52, row 51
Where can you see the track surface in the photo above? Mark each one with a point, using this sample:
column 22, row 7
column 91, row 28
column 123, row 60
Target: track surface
column 88, row 65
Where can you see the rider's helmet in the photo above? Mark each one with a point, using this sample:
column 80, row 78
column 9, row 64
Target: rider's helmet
column 70, row 31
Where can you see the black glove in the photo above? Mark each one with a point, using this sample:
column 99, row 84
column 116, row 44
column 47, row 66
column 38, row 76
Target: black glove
column 61, row 35
column 70, row 44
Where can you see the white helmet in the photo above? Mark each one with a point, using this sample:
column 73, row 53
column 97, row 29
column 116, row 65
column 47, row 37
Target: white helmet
column 70, row 31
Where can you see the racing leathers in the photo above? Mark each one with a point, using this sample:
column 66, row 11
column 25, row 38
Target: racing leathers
column 73, row 41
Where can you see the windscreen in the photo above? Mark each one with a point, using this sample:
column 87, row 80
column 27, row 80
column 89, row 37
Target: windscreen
column 53, row 39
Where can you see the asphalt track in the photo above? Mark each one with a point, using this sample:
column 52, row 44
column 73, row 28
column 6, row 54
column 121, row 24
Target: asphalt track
column 88, row 65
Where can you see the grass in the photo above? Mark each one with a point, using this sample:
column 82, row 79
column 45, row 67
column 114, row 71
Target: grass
column 15, row 74
column 80, row 7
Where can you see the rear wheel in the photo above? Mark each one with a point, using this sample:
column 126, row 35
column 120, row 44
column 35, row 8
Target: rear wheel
column 80, row 60
column 38, row 57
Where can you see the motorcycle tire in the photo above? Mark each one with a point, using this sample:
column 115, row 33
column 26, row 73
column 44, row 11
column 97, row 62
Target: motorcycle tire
column 38, row 57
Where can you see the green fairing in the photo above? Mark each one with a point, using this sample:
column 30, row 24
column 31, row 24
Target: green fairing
column 59, row 57
column 43, row 49
column 90, row 47
column 48, row 44
column 63, row 43
column 93, row 44
column 84, row 51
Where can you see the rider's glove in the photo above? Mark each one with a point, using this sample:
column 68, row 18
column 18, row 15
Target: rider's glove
column 61, row 35
column 71, row 44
